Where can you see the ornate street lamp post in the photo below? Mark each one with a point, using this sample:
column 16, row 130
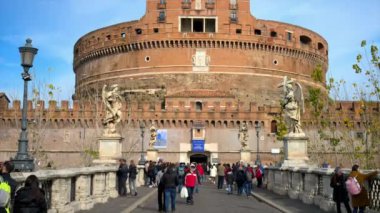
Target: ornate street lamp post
column 142, row 158
column 258, row 128
column 22, row 161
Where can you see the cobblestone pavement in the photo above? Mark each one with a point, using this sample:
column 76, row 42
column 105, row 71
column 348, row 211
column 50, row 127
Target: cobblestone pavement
column 210, row 199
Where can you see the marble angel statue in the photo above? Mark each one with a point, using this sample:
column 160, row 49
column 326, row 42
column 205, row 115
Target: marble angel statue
column 112, row 101
column 292, row 105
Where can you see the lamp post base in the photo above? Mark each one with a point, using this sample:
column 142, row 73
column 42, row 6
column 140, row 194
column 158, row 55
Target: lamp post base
column 23, row 165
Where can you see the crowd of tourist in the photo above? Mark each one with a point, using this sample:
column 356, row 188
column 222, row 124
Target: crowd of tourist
column 184, row 179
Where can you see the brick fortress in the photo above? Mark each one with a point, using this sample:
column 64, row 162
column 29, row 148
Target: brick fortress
column 188, row 66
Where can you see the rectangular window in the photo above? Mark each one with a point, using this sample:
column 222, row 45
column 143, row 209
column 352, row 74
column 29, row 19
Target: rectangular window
column 289, row 36
column 210, row 25
column 233, row 16
column 198, row 25
column 123, row 35
column 186, row 25
column 257, row 32
column 161, row 16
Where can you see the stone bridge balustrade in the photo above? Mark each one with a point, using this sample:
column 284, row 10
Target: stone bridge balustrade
column 71, row 190
column 312, row 186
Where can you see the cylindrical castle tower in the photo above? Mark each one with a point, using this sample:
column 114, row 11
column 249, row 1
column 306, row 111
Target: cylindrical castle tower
column 184, row 45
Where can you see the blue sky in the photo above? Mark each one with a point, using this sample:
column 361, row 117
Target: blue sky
column 55, row 25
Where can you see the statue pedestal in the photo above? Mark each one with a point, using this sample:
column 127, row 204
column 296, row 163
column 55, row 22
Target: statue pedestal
column 151, row 154
column 295, row 150
column 109, row 150
column 245, row 155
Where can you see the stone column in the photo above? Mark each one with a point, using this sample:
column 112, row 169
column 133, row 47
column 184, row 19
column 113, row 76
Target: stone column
column 99, row 188
column 325, row 200
column 60, row 195
column 310, row 187
column 281, row 182
column 140, row 181
column 270, row 179
column 245, row 156
column 152, row 154
column 109, row 150
column 295, row 184
column 82, row 192
column 295, row 149
column 111, row 182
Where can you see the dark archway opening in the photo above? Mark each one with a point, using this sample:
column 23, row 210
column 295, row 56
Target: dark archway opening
column 199, row 158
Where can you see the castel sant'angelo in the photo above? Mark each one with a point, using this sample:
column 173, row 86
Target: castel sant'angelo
column 196, row 69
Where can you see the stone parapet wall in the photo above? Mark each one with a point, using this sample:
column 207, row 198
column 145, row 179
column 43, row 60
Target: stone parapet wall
column 75, row 189
column 312, row 186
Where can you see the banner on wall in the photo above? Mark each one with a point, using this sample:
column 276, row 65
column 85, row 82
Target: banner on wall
column 162, row 139
column 198, row 145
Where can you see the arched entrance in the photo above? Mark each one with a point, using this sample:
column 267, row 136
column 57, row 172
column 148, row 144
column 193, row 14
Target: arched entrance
column 199, row 158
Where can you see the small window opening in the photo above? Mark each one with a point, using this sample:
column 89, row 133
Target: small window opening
column 108, row 37
column 273, row 34
column 156, row 30
column 238, row 31
column 198, row 106
column 273, row 127
column 305, row 40
column 198, row 25
column 233, row 16
column 289, row 36
column 123, row 35
column 320, row 46
column 138, row 31
column 257, row 32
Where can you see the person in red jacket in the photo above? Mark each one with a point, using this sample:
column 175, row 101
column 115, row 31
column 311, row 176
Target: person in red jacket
column 201, row 173
column 190, row 181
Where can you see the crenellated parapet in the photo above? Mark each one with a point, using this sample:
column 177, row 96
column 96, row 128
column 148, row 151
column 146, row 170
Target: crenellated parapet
column 173, row 114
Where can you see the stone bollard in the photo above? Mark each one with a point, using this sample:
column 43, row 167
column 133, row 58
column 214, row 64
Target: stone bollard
column 82, row 192
column 99, row 190
column 60, row 196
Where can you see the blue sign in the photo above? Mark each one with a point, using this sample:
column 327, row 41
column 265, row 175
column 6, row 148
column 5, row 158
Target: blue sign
column 198, row 145
column 162, row 139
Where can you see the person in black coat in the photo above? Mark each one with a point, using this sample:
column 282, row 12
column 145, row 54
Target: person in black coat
column 122, row 176
column 30, row 198
column 240, row 180
column 340, row 194
column 132, row 178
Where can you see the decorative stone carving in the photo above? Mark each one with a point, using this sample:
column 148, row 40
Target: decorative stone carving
column 292, row 105
column 200, row 60
column 153, row 136
column 243, row 136
column 112, row 101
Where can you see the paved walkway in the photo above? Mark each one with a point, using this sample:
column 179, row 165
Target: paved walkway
column 121, row 204
column 284, row 203
column 212, row 200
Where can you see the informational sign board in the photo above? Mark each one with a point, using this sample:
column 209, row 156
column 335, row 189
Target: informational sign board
column 162, row 139
column 198, row 145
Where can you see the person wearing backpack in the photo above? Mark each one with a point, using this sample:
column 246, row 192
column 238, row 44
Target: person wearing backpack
column 249, row 176
column 229, row 179
column 360, row 201
column 5, row 196
column 340, row 194
column 259, row 176
column 6, row 170
column 240, row 180
column 181, row 176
